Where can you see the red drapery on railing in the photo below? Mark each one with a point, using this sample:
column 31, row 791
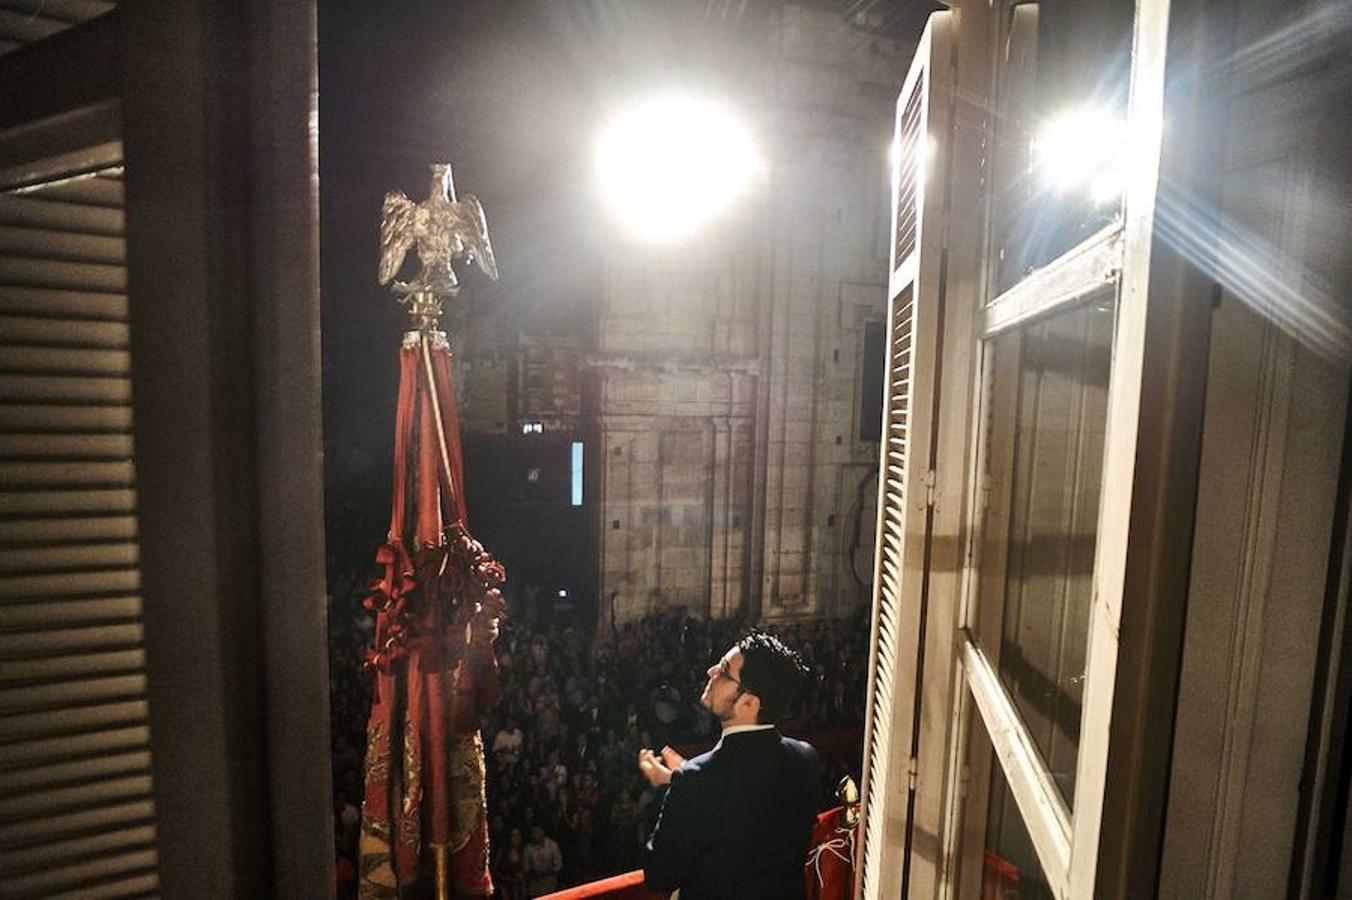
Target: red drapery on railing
column 423, row 816
column 829, row 871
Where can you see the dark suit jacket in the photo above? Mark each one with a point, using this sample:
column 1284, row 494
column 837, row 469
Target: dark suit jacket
column 736, row 821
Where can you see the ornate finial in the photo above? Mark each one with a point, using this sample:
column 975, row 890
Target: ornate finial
column 442, row 229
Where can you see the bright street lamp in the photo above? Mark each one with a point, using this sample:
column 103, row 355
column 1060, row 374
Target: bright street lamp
column 672, row 164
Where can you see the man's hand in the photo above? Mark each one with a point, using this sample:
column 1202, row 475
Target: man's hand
column 652, row 768
column 671, row 759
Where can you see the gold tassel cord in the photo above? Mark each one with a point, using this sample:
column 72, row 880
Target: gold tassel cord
column 441, row 855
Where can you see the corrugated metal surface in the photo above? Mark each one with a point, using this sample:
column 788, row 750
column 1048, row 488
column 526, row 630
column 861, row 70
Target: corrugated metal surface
column 25, row 21
column 76, row 809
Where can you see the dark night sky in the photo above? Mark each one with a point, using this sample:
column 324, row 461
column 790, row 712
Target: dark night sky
column 513, row 92
column 404, row 84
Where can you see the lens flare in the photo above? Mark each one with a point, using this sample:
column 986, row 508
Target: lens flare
column 1083, row 150
column 672, row 164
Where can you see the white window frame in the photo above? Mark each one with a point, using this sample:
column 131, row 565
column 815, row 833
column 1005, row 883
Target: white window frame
column 1115, row 258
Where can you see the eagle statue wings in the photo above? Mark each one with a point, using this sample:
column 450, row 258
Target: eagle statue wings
column 441, row 228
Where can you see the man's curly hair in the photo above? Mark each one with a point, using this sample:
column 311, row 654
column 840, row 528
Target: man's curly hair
column 772, row 672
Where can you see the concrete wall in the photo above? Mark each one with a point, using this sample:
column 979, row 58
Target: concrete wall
column 1272, row 448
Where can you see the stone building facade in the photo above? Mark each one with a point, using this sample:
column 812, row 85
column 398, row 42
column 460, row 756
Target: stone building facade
column 733, row 443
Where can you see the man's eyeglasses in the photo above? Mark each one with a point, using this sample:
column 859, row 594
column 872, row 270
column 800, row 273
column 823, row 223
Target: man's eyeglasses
column 725, row 671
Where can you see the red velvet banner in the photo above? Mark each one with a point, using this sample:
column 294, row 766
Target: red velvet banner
column 424, row 824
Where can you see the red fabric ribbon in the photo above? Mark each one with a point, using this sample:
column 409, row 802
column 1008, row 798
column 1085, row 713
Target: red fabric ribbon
column 434, row 668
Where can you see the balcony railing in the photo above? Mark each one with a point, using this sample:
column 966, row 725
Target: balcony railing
column 628, row 886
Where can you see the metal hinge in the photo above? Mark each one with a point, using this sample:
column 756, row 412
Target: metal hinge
column 911, row 773
column 964, row 780
column 929, row 488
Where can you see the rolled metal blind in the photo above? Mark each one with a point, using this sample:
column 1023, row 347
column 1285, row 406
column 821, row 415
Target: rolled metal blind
column 76, row 805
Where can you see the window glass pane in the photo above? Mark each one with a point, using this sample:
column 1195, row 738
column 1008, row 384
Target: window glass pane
column 996, row 850
column 1059, row 134
column 1052, row 377
column 1009, row 865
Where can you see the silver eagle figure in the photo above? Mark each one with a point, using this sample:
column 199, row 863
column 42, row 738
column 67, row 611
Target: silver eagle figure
column 442, row 228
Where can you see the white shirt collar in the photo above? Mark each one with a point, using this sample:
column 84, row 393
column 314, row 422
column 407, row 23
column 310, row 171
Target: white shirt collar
column 740, row 729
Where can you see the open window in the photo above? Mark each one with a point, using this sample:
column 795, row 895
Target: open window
column 1010, row 523
column 1037, row 637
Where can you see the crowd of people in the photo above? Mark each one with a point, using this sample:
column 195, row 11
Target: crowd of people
column 565, row 801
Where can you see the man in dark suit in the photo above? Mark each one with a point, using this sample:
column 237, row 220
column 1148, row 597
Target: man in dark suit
column 736, row 820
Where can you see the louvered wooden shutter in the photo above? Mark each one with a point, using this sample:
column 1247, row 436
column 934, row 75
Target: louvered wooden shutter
column 76, row 809
column 912, row 359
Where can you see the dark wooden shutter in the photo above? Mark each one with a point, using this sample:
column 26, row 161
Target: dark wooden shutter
column 76, row 806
